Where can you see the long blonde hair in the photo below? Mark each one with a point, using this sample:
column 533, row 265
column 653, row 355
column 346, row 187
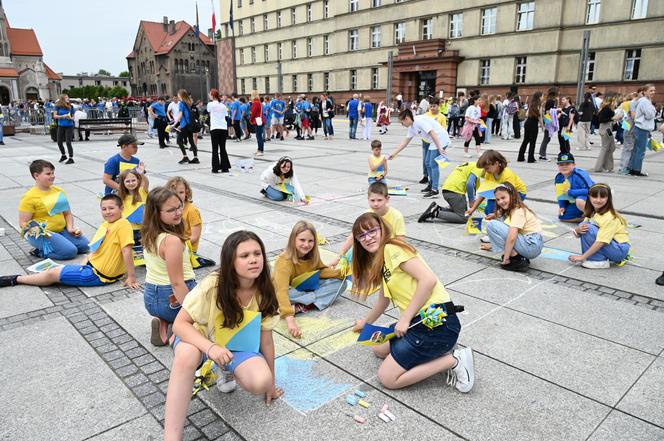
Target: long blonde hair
column 291, row 251
column 123, row 191
column 153, row 226
column 62, row 102
column 184, row 96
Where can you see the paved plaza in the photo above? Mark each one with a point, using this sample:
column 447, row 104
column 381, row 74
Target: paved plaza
column 561, row 352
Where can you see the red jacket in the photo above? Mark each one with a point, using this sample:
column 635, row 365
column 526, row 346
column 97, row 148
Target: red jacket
column 255, row 111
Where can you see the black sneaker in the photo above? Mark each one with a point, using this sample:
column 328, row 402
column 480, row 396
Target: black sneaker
column 638, row 173
column 194, row 161
column 424, row 180
column 660, row 280
column 184, row 160
column 35, row 252
column 8, row 280
column 429, row 213
column 517, row 263
column 431, row 194
column 70, row 161
column 426, row 189
column 63, row 158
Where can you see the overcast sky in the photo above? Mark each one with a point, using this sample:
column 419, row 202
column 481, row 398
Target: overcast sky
column 88, row 35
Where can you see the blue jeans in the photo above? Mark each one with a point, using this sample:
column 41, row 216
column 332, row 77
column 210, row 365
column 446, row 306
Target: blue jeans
column 155, row 299
column 259, row 137
column 491, row 204
column 487, row 131
column 274, row 194
column 324, row 296
column 425, row 149
column 327, row 122
column 63, row 245
column 2, row 126
column 433, row 169
column 528, row 245
column 353, row 127
column 613, row 251
column 640, row 142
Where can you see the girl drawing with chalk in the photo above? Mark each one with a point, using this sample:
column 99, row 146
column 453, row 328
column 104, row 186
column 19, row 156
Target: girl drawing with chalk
column 417, row 352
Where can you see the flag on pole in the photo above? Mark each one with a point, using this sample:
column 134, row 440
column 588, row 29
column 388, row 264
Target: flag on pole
column 197, row 28
column 214, row 22
column 230, row 20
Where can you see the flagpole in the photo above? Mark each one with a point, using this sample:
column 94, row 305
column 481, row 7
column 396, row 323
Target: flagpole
column 233, row 50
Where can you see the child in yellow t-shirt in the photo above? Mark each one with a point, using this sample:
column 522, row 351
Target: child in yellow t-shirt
column 377, row 163
column 133, row 190
column 302, row 257
column 417, row 351
column 243, row 286
column 109, row 261
column 604, row 237
column 45, row 217
column 516, row 231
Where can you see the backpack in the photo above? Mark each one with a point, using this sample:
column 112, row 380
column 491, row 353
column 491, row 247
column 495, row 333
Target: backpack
column 454, row 111
column 512, row 107
column 194, row 119
column 576, row 114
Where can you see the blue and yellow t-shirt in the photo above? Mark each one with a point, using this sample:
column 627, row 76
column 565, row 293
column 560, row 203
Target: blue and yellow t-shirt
column 42, row 205
column 107, row 260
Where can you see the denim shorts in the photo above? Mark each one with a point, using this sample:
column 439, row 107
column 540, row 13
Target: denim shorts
column 239, row 357
column 80, row 275
column 155, row 298
column 421, row 344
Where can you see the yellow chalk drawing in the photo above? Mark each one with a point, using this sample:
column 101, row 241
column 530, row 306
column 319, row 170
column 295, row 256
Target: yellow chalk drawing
column 334, row 343
column 314, row 328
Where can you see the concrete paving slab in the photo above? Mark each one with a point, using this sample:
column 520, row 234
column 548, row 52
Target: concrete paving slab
column 646, row 399
column 620, row 426
column 76, row 376
column 21, row 298
column 494, row 285
column 145, row 428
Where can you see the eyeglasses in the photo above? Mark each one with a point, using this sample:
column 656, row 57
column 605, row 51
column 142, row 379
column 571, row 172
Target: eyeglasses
column 369, row 234
column 173, row 210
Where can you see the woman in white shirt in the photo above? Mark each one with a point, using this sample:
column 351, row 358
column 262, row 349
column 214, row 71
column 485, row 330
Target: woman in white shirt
column 218, row 133
column 472, row 127
column 278, row 173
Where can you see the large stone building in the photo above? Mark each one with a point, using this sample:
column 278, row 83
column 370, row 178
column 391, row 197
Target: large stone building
column 23, row 73
column 168, row 56
column 342, row 46
column 83, row 79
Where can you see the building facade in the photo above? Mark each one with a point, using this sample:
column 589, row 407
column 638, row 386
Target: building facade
column 342, row 46
column 83, row 79
column 23, row 73
column 168, row 56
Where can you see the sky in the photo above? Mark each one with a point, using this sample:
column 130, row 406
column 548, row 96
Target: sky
column 88, row 35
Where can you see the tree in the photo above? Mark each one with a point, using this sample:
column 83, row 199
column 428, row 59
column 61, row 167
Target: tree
column 94, row 92
column 124, row 74
column 104, row 72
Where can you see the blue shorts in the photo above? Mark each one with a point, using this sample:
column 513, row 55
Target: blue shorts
column 238, row 357
column 80, row 275
column 421, row 344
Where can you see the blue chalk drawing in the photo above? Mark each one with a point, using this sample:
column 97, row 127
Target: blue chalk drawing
column 556, row 254
column 303, row 389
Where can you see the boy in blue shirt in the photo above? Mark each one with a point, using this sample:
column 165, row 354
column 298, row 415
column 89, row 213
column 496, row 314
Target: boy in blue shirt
column 278, row 107
column 236, row 116
column 158, row 113
column 120, row 162
column 572, row 184
column 353, row 114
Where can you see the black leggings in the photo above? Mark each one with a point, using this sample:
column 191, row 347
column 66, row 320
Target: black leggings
column 476, row 135
column 530, row 129
column 183, row 134
column 66, row 134
column 220, row 160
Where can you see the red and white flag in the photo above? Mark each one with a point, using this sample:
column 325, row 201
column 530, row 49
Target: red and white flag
column 214, row 21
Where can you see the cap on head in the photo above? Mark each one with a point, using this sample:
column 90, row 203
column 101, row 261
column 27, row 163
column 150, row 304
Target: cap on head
column 128, row 139
column 565, row 158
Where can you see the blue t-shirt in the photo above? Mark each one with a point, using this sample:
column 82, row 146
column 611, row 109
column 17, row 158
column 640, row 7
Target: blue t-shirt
column 64, row 111
column 158, row 109
column 278, row 108
column 267, row 111
column 185, row 112
column 236, row 111
column 243, row 109
column 112, row 167
column 368, row 110
column 100, row 106
column 298, row 107
column 352, row 108
column 306, row 106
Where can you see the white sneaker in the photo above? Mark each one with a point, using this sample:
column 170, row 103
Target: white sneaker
column 485, row 239
column 225, row 381
column 596, row 264
column 462, row 376
column 468, row 155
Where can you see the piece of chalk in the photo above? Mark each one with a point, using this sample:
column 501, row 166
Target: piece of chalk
column 360, row 393
column 351, row 399
column 384, row 408
column 389, row 414
column 383, row 417
column 359, row 419
column 363, row 403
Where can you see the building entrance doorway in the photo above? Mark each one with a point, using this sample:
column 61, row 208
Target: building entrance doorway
column 426, row 84
column 31, row 93
column 4, row 96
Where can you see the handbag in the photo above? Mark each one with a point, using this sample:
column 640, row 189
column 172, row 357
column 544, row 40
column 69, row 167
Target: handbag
column 259, row 121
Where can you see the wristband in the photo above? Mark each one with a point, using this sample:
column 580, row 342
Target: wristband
column 207, row 353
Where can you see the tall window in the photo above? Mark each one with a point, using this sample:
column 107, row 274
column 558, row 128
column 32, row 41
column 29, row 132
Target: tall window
column 265, row 22
column 278, row 19
column 399, row 32
column 242, row 88
column 294, row 83
column 310, row 13
column 456, row 25
column 241, row 56
column 326, row 81
column 267, row 84
column 639, row 9
column 374, row 78
column 326, row 44
column 590, row 66
column 294, row 49
column 310, row 82
column 520, row 71
column 253, row 54
column 240, row 27
column 375, row 3
column 485, row 71
column 525, row 16
column 353, row 40
column 632, row 63
column 266, row 53
column 326, row 8
column 254, row 83
column 353, row 79
column 292, row 16
column 489, row 21
column 280, row 52
column 375, row 36
column 309, row 46
column 592, row 13
column 252, row 24
column 354, row 5
column 427, row 28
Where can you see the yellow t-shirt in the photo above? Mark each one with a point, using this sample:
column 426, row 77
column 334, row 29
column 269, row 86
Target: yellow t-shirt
column 400, row 286
column 456, row 181
column 440, row 118
column 394, row 219
column 507, row 176
column 525, row 220
column 107, row 260
column 156, row 271
column 201, row 305
column 610, row 228
column 128, row 206
column 191, row 216
column 38, row 202
column 375, row 162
